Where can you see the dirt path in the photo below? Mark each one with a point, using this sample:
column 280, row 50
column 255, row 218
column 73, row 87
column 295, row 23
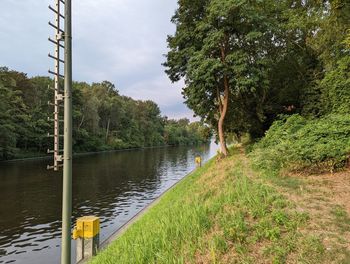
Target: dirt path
column 326, row 199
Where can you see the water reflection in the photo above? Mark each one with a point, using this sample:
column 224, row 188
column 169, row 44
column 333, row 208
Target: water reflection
column 114, row 186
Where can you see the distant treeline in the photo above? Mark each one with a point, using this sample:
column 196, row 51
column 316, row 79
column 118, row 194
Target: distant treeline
column 102, row 119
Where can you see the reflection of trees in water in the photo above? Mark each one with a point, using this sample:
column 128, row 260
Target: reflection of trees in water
column 123, row 178
column 105, row 180
column 31, row 196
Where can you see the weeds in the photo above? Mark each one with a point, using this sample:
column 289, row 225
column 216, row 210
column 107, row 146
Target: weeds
column 220, row 215
column 298, row 143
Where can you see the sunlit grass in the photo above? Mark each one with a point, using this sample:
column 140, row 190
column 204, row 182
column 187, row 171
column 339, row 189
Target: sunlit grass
column 218, row 214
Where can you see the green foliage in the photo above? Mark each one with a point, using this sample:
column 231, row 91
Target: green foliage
column 217, row 41
column 11, row 114
column 106, row 120
column 182, row 132
column 283, row 57
column 296, row 142
column 315, row 82
column 102, row 119
column 336, row 88
column 7, row 125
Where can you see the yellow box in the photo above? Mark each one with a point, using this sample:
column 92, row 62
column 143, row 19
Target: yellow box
column 88, row 226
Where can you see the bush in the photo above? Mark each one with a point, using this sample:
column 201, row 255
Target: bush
column 336, row 88
column 297, row 142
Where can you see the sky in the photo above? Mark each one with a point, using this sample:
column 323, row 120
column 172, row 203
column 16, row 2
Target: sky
column 122, row 41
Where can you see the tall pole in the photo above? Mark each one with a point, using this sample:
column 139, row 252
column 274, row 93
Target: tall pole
column 67, row 164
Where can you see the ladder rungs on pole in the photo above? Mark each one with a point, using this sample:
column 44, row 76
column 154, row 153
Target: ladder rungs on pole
column 54, row 167
column 52, row 120
column 53, row 104
column 55, row 27
column 53, row 88
column 50, row 135
column 55, row 11
column 49, row 151
column 55, row 58
column 55, row 42
column 55, row 73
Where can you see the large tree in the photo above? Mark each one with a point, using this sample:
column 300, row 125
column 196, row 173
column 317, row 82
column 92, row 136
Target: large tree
column 221, row 50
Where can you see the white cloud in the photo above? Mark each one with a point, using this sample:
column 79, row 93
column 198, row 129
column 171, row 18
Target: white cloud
column 120, row 37
column 117, row 40
column 159, row 89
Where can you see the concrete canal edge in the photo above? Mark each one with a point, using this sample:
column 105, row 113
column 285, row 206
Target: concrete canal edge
column 136, row 217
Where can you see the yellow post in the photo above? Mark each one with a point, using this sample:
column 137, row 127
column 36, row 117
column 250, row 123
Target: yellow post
column 87, row 234
column 198, row 161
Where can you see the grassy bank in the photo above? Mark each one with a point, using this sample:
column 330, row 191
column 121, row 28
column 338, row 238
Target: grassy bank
column 227, row 213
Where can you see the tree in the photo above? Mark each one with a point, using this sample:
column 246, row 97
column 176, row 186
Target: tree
column 221, row 49
column 102, row 118
column 7, row 126
column 11, row 106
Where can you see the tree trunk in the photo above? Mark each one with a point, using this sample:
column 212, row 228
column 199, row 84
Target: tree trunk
column 81, row 122
column 107, row 130
column 223, row 105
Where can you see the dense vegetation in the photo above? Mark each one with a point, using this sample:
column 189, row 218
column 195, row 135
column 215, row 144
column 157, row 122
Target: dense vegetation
column 296, row 142
column 247, row 63
column 102, row 118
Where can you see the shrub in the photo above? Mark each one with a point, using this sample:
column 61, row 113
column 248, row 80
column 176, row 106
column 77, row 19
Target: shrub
column 297, row 142
column 336, row 88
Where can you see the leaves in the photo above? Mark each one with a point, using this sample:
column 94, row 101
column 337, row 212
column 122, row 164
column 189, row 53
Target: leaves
column 102, row 118
column 297, row 141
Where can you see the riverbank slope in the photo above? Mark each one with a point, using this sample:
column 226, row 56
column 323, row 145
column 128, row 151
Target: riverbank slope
column 227, row 213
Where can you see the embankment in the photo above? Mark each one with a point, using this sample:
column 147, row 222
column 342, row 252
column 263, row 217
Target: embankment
column 225, row 212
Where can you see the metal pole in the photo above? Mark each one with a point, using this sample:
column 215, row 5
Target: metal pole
column 67, row 164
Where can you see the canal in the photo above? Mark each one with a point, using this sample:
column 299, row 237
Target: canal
column 114, row 186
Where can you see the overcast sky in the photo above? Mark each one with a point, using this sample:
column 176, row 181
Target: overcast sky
column 122, row 41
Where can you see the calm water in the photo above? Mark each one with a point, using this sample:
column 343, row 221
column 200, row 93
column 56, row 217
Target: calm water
column 114, row 186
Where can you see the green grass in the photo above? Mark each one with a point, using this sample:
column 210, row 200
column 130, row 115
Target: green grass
column 218, row 214
column 341, row 217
